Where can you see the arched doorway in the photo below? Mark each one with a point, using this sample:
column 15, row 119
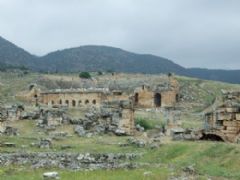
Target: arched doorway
column 73, row 103
column 67, row 102
column 211, row 137
column 136, row 98
column 158, row 100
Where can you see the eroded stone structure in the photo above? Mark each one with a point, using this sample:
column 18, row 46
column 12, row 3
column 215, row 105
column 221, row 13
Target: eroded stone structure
column 113, row 116
column 80, row 97
column 162, row 95
column 224, row 122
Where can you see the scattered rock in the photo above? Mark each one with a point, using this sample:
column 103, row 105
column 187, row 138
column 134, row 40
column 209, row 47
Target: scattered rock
column 190, row 170
column 10, row 131
column 45, row 143
column 51, row 175
column 136, row 142
column 8, row 144
column 147, row 173
column 80, row 131
column 139, row 128
column 71, row 161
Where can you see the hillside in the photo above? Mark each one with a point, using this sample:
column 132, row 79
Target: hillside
column 13, row 55
column 103, row 58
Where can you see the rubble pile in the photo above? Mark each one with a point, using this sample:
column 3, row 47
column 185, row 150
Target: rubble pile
column 110, row 118
column 71, row 161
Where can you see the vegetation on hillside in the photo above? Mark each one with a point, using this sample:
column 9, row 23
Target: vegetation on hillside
column 103, row 58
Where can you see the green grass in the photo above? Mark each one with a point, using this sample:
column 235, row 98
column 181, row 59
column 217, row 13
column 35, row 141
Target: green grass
column 138, row 174
column 209, row 159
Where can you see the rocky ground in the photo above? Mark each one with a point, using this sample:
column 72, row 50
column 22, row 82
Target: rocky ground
column 80, row 147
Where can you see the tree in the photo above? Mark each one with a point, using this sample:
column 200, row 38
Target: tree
column 85, row 75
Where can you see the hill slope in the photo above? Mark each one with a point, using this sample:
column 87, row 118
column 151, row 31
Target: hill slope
column 13, row 55
column 103, row 58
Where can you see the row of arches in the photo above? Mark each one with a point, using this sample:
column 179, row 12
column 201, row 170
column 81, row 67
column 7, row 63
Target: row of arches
column 74, row 103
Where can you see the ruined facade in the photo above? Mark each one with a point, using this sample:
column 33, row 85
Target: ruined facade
column 80, row 97
column 224, row 122
column 123, row 116
column 162, row 95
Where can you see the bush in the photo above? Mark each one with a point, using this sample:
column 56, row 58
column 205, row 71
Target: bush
column 100, row 73
column 85, row 75
column 144, row 123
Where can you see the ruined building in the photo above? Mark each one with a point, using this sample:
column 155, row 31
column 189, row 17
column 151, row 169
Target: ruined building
column 162, row 95
column 165, row 94
column 223, row 123
column 80, row 97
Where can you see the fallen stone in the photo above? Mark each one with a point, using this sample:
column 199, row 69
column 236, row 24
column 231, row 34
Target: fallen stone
column 51, row 175
column 80, row 131
column 8, row 144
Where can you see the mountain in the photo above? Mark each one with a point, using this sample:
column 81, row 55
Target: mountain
column 104, row 58
column 230, row 76
column 13, row 55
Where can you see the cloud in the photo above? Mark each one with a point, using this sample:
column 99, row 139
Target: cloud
column 192, row 33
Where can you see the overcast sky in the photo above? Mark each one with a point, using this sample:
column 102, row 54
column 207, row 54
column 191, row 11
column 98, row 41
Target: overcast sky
column 192, row 33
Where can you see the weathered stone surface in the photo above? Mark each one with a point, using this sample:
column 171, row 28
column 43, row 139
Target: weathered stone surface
column 139, row 128
column 110, row 118
column 45, row 143
column 80, row 131
column 72, row 161
column 10, row 131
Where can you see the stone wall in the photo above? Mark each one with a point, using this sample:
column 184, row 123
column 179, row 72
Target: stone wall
column 224, row 122
column 72, row 99
column 71, row 161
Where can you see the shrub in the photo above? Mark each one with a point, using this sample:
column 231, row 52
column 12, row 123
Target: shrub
column 100, row 73
column 85, row 75
column 144, row 123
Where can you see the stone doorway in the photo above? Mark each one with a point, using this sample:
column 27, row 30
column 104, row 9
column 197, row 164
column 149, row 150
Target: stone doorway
column 158, row 100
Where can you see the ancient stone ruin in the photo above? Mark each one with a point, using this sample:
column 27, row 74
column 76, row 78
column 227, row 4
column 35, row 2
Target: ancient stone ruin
column 223, row 123
column 115, row 116
column 162, row 95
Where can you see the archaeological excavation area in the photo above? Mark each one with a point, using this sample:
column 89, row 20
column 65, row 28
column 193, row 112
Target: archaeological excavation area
column 119, row 126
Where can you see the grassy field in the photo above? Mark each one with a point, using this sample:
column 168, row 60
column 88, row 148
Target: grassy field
column 209, row 159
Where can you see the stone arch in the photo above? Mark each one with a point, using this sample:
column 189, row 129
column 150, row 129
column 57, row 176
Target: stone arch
column 73, row 103
column 60, row 102
column 213, row 137
column 86, row 101
column 158, row 100
column 53, row 102
column 94, row 101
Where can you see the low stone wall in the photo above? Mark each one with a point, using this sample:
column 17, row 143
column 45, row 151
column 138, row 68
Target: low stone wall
column 71, row 161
